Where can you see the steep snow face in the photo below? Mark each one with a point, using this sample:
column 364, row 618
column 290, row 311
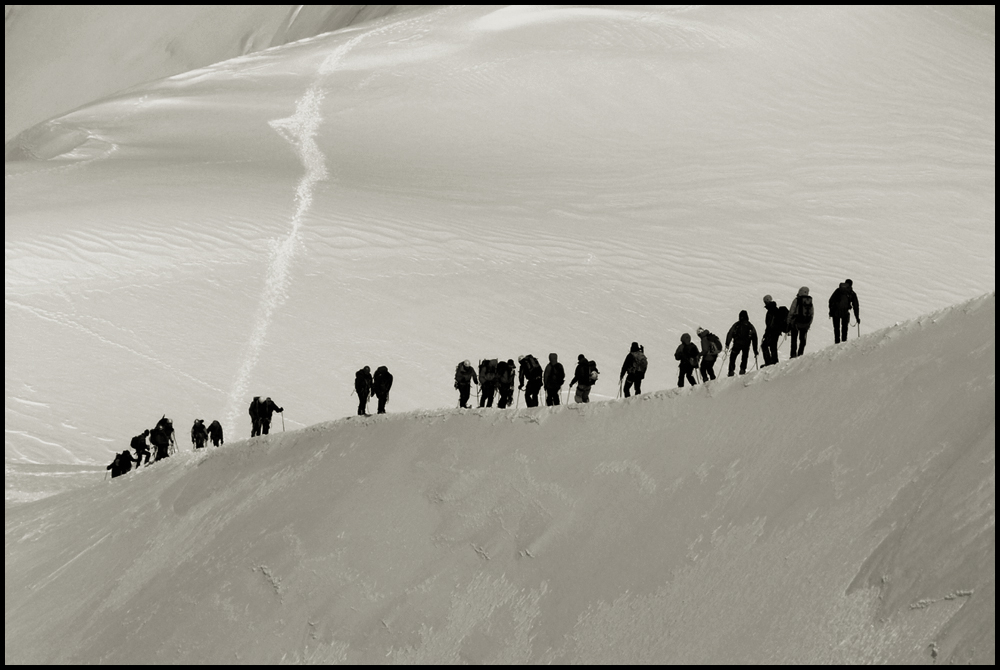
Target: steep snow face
column 58, row 58
column 465, row 183
column 836, row 509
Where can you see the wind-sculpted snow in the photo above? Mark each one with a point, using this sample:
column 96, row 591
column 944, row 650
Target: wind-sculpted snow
column 465, row 182
column 836, row 509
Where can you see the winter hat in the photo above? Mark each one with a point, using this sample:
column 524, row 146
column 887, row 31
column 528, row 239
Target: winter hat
column 804, row 291
column 635, row 346
column 581, row 358
column 553, row 358
column 744, row 316
column 699, row 330
column 685, row 338
column 849, row 283
column 466, row 363
column 520, row 358
column 768, row 298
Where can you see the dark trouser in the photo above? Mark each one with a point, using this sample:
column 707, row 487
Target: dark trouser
column 464, row 391
column 216, row 441
column 841, row 322
column 265, row 425
column 162, row 451
column 486, row 392
column 362, row 404
column 531, row 390
column 631, row 381
column 798, row 341
column 582, row 393
column 707, row 369
column 199, row 444
column 139, row 455
column 743, row 349
column 506, row 396
column 255, row 429
column 685, row 371
column 552, row 395
column 770, row 346
column 382, row 400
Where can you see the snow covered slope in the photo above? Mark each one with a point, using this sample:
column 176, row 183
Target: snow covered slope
column 469, row 182
column 838, row 508
column 60, row 57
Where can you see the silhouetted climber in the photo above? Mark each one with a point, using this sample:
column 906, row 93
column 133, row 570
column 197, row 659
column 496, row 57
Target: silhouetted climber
column 199, row 434
column 265, row 411
column 800, row 318
column 465, row 376
column 843, row 300
column 162, row 438
column 121, row 464
column 634, row 369
column 742, row 335
column 254, row 412
column 711, row 347
column 487, row 381
column 775, row 323
column 530, row 370
column 363, row 387
column 506, row 371
column 553, row 379
column 381, row 384
column 583, row 379
column 215, row 433
column 141, row 448
column 688, row 356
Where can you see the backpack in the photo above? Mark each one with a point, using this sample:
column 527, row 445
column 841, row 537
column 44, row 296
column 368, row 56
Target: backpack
column 714, row 344
column 532, row 368
column 803, row 311
column 782, row 317
column 639, row 363
column 488, row 371
column 594, row 373
column 558, row 375
column 844, row 304
column 505, row 373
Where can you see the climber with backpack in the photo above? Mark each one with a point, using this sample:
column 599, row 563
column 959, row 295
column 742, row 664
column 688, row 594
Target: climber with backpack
column 688, row 356
column 775, row 324
column 141, row 448
column 800, row 318
column 553, row 379
column 363, row 387
column 505, row 383
column 381, row 384
column 487, row 381
column 162, row 438
column 742, row 335
column 199, row 434
column 583, row 377
column 634, row 369
column 215, row 433
column 530, row 371
column 465, row 375
column 711, row 347
column 843, row 300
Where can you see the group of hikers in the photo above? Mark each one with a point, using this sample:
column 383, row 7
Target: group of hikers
column 163, row 442
column 496, row 377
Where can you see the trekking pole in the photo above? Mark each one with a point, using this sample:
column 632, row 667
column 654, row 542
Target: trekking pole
column 859, row 328
column 282, row 421
column 517, row 403
column 620, row 387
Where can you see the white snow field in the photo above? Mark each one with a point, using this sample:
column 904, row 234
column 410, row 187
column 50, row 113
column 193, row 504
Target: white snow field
column 839, row 508
column 463, row 183
column 59, row 57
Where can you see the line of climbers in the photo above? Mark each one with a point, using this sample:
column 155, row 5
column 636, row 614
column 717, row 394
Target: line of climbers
column 163, row 441
column 496, row 377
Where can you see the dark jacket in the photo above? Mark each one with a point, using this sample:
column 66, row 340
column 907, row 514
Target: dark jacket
column 215, row 431
column 266, row 408
column 139, row 443
column 529, row 369
column 581, row 375
column 554, row 374
column 633, row 365
column 363, row 382
column 382, row 381
column 199, row 433
column 688, row 355
column 742, row 333
column 772, row 322
column 843, row 300
column 464, row 375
